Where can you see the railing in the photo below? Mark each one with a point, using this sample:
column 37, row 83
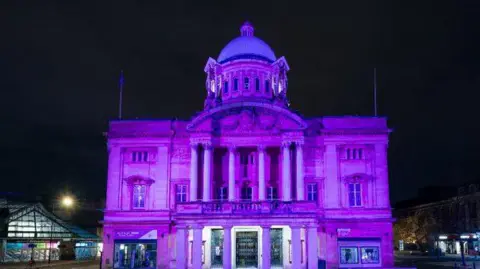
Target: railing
column 246, row 207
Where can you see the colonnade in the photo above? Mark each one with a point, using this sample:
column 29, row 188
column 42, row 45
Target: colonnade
column 261, row 150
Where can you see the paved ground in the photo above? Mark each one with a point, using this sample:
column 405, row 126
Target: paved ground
column 55, row 265
column 425, row 262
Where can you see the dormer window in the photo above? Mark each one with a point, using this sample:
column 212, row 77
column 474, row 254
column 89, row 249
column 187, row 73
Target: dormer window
column 140, row 156
column 225, row 87
column 246, row 83
column 139, row 194
column 257, row 85
column 235, row 84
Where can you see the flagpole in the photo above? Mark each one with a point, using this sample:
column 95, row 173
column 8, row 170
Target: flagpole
column 375, row 90
column 120, row 101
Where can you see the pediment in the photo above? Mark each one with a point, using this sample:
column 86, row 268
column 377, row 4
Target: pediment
column 247, row 119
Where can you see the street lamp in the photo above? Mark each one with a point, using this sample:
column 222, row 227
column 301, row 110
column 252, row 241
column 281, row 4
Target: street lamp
column 67, row 202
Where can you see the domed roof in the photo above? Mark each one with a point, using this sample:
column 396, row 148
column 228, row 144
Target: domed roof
column 246, row 46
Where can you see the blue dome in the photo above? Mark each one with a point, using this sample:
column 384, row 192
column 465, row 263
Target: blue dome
column 246, row 46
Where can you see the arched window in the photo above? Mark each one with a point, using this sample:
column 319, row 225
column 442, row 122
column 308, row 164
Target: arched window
column 139, row 193
column 235, row 84
column 246, row 83
column 225, row 87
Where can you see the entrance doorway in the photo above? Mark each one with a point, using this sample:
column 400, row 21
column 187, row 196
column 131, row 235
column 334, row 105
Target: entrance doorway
column 247, row 249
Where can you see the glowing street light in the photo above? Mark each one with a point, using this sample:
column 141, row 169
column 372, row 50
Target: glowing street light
column 67, row 201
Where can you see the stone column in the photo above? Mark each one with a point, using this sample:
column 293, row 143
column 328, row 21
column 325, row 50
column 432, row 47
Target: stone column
column 227, row 246
column 296, row 247
column 207, row 175
column 163, row 253
column 300, row 175
column 331, row 196
column 231, row 173
column 381, row 176
column 266, row 256
column 261, row 172
column 312, row 248
column 286, row 179
column 193, row 173
column 197, row 246
column 181, row 238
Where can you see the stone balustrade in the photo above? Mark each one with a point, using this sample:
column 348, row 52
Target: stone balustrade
column 246, row 207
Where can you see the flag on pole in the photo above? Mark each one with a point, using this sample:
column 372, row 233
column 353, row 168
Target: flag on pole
column 120, row 101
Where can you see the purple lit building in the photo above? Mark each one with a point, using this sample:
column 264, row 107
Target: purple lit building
column 248, row 183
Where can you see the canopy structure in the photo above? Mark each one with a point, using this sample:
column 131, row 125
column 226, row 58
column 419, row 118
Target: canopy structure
column 33, row 221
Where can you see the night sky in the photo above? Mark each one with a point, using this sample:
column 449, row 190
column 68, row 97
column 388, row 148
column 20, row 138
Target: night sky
column 60, row 62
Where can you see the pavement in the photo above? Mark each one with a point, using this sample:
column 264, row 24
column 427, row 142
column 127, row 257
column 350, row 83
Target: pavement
column 54, row 265
column 432, row 262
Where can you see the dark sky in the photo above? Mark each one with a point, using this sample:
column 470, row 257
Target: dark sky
column 60, row 63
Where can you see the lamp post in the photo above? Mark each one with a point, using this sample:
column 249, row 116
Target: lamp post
column 67, row 202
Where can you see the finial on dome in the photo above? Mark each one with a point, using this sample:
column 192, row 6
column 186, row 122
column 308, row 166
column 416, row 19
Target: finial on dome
column 246, row 29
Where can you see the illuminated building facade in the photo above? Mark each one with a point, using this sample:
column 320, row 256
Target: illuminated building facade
column 247, row 182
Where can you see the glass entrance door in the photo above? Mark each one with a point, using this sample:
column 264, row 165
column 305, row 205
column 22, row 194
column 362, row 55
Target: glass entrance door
column 246, row 249
column 276, row 244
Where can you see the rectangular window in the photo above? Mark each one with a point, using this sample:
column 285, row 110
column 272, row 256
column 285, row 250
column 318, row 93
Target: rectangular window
column 140, row 156
column 222, row 193
column 312, row 192
column 257, row 85
column 370, row 255
column 267, row 86
column 246, row 83
column 225, row 87
column 272, row 193
column 235, row 84
column 181, row 193
column 348, row 255
column 246, row 193
column 139, row 192
column 354, row 154
column 135, row 254
column 354, row 194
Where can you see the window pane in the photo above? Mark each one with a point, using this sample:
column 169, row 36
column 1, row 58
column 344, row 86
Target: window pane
column 370, row 255
column 267, row 86
column 134, row 156
column 350, row 187
column 357, row 187
column 257, row 84
column 348, row 255
column 360, row 153
column 235, row 84
column 358, row 200
column 225, row 87
column 351, row 199
column 246, row 83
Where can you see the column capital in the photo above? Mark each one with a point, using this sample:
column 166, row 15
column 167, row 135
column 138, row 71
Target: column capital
column 232, row 148
column 312, row 225
column 196, row 226
column 299, row 143
column 261, row 148
column 296, row 226
column 266, row 226
column 194, row 145
column 286, row 144
column 181, row 226
column 227, row 226
column 207, row 145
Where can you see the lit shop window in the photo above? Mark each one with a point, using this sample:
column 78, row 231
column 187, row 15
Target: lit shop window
column 354, row 194
column 181, row 193
column 140, row 156
column 139, row 193
column 370, row 255
column 348, row 255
